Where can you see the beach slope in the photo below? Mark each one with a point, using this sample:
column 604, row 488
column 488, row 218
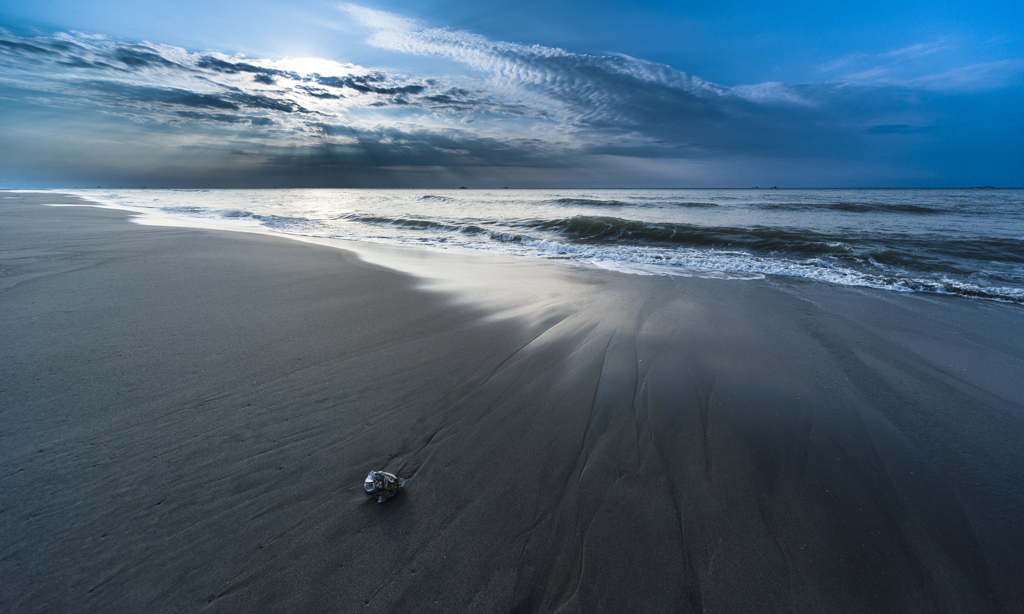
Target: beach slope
column 186, row 418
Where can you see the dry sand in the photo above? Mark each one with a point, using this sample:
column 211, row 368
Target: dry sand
column 186, row 417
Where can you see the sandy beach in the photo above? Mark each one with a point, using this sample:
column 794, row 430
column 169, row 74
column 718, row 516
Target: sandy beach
column 187, row 415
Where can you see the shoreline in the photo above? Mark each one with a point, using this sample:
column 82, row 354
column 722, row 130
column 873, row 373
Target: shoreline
column 190, row 414
column 250, row 213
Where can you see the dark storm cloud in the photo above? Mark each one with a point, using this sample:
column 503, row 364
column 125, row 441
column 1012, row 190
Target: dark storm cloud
column 168, row 96
column 369, row 84
column 135, row 57
column 223, row 66
column 234, row 101
column 316, row 92
column 225, row 118
column 211, row 117
column 76, row 62
column 23, row 47
column 231, row 68
column 256, row 101
column 393, row 148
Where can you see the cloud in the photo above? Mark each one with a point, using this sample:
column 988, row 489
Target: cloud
column 917, row 50
column 135, row 73
column 597, row 99
column 916, row 67
column 585, row 88
column 508, row 106
column 135, row 57
column 981, row 76
column 127, row 93
column 222, row 117
column 22, row 47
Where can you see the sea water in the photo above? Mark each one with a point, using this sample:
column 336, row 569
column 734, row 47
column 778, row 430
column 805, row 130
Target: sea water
column 964, row 242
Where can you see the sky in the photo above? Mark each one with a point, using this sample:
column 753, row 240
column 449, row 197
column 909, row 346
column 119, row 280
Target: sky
column 437, row 93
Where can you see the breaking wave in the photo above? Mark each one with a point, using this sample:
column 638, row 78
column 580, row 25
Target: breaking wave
column 589, row 202
column 853, row 207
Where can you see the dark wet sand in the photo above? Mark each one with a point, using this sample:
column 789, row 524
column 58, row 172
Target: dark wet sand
column 186, row 417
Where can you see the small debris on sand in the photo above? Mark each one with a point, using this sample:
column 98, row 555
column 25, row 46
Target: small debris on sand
column 382, row 485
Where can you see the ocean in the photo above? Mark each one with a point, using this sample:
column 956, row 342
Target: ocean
column 960, row 242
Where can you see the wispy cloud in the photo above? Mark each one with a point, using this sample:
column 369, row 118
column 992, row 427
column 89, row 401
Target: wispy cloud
column 918, row 50
column 506, row 106
column 584, row 88
column 915, row 66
